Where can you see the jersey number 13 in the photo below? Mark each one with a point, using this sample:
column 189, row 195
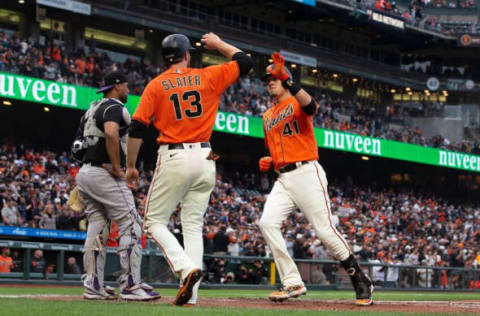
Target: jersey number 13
column 195, row 109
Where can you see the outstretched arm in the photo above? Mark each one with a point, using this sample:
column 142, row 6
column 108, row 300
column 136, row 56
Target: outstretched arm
column 308, row 103
column 212, row 41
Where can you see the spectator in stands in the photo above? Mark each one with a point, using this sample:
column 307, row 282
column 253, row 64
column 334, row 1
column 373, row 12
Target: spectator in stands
column 10, row 214
column 392, row 272
column 247, row 96
column 233, row 247
column 378, row 272
column 383, row 5
column 300, row 247
column 424, row 276
column 6, row 262
column 17, row 261
column 377, row 218
column 220, row 242
column 48, row 220
column 66, row 220
column 38, row 263
column 72, row 266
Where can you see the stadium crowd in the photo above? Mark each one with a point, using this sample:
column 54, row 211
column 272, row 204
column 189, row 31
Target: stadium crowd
column 248, row 97
column 413, row 12
column 388, row 225
column 52, row 61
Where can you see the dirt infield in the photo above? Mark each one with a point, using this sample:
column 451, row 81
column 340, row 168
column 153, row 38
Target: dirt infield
column 444, row 307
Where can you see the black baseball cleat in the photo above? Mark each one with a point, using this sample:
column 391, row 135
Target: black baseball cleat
column 361, row 283
column 185, row 292
column 363, row 291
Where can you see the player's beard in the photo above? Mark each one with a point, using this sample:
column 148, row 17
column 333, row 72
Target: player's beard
column 124, row 98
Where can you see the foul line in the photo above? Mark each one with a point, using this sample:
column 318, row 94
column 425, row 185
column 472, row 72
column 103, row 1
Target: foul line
column 36, row 296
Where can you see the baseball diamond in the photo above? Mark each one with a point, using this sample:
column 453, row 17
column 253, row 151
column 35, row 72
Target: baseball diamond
column 217, row 302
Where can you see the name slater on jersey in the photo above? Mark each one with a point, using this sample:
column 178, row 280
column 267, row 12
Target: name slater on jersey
column 270, row 123
column 182, row 82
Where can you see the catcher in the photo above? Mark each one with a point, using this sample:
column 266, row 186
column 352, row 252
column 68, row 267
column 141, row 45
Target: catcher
column 103, row 191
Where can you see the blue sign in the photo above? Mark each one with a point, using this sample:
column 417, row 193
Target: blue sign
column 41, row 233
column 307, row 2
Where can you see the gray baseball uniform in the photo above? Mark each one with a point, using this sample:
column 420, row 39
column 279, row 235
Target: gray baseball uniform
column 107, row 198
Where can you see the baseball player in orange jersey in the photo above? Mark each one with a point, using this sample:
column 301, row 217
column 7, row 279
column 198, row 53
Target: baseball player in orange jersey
column 183, row 103
column 301, row 184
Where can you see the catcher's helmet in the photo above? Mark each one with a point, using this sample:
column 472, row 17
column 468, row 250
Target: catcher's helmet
column 267, row 74
column 174, row 48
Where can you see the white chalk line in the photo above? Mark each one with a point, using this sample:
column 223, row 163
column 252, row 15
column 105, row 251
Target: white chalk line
column 460, row 304
column 36, row 295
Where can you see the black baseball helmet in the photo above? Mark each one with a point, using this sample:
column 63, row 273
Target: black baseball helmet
column 174, row 47
column 267, row 74
column 111, row 80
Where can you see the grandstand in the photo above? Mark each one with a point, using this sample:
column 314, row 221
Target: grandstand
column 398, row 128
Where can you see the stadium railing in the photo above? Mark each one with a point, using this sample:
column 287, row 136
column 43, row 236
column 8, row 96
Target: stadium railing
column 317, row 274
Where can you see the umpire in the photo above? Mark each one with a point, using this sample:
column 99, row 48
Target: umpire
column 101, row 184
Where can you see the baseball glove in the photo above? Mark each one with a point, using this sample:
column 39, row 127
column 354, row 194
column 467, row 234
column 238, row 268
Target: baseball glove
column 75, row 201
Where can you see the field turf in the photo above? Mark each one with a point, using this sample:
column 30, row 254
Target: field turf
column 11, row 305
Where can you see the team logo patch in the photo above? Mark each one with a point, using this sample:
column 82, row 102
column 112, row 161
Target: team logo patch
column 271, row 122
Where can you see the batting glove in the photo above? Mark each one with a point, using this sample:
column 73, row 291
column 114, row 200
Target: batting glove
column 278, row 69
column 265, row 163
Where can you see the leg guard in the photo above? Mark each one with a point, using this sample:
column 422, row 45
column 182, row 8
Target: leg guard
column 94, row 252
column 130, row 252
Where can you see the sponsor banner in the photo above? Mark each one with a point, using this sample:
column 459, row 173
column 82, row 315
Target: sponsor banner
column 299, row 59
column 252, row 126
column 307, row 2
column 69, row 5
column 60, row 247
column 468, row 40
column 396, row 150
column 57, row 94
column 386, row 19
column 52, row 92
column 41, row 233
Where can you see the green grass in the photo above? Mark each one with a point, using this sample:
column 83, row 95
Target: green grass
column 27, row 306
column 47, row 308
column 311, row 295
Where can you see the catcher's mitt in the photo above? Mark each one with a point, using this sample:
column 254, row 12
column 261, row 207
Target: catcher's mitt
column 75, row 201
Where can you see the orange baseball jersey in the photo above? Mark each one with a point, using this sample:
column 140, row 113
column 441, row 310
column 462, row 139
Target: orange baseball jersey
column 184, row 102
column 289, row 133
column 6, row 264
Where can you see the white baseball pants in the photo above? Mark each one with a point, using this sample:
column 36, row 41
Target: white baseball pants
column 186, row 176
column 304, row 188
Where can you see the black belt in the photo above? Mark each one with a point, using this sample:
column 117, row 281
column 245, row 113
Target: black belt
column 182, row 146
column 291, row 166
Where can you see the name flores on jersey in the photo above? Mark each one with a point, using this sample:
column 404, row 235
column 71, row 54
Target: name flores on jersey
column 182, row 82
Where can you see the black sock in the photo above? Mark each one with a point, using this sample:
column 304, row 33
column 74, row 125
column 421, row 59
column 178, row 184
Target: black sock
column 353, row 269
